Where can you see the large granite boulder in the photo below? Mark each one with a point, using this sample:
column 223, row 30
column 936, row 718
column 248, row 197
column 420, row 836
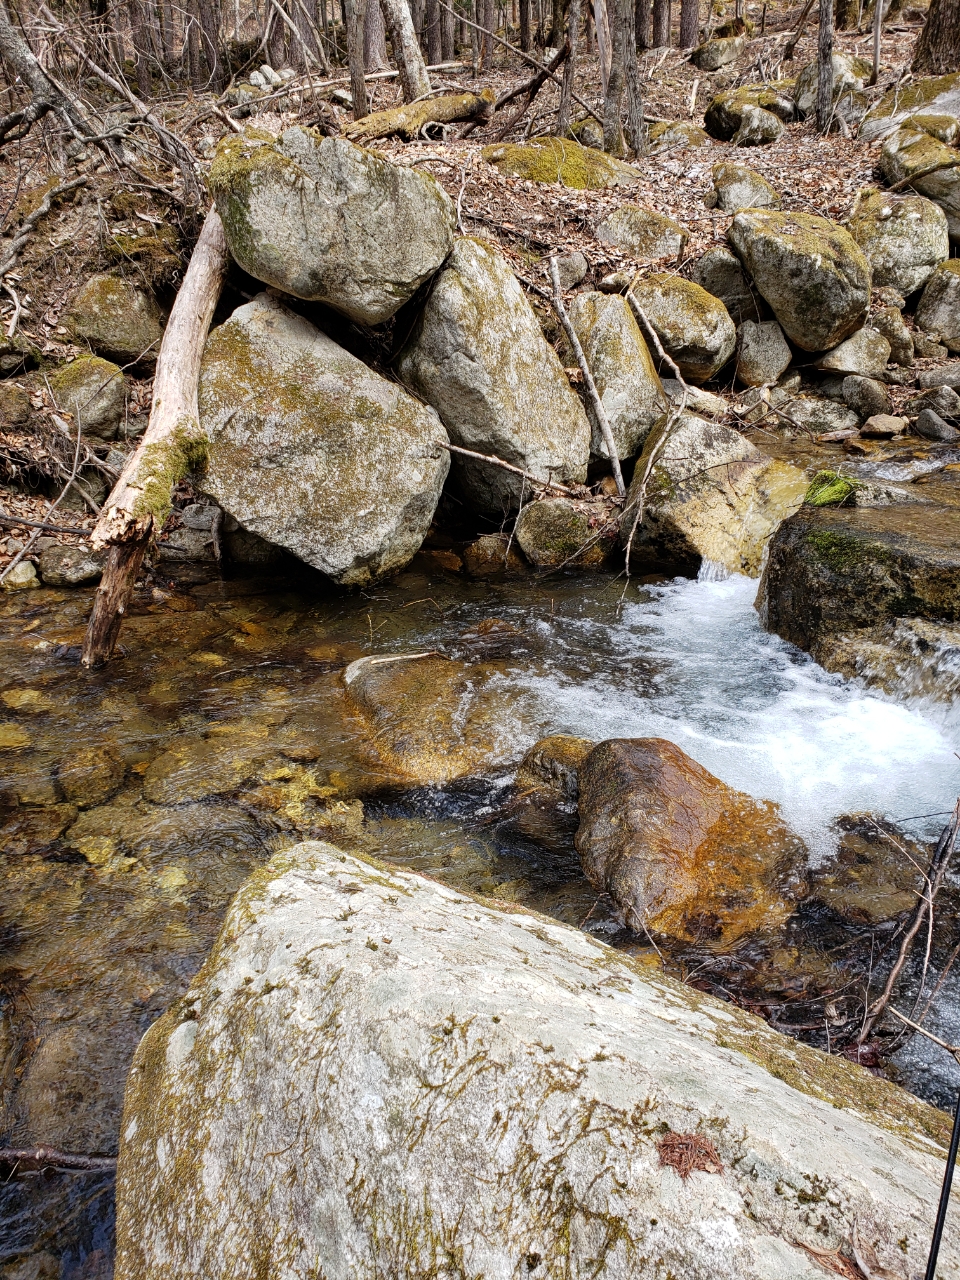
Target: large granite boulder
column 478, row 355
column 865, row 352
column 675, row 135
column 738, row 187
column 904, row 238
column 325, row 220
column 763, row 353
column 913, row 153
column 694, row 327
column 850, row 74
column 714, row 54
column 94, row 392
column 724, row 116
column 811, row 271
column 758, row 128
column 375, row 1075
column 710, row 496
column 934, row 95
column 939, row 309
column 720, row 272
column 313, row 451
column 642, row 233
column 116, row 319
column 560, row 160
column 623, row 370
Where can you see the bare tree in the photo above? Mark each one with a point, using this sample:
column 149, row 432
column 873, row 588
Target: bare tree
column 689, row 23
column 374, row 38
column 938, row 49
column 825, row 66
column 661, row 23
column 569, row 70
column 414, row 80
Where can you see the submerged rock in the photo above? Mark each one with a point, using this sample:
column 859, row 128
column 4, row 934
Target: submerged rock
column 694, row 327
column 642, row 233
column 478, row 355
column 116, row 319
column 430, row 1044
column 312, row 450
column 94, row 392
column 559, row 160
column 904, row 237
column 494, row 555
column 939, row 308
column 325, row 220
column 906, row 657
column 556, row 531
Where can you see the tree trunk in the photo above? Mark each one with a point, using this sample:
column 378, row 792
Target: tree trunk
column 171, row 444
column 486, row 46
column 938, row 49
column 448, row 32
column 208, row 12
column 616, row 81
column 633, row 125
column 409, row 120
column 689, row 24
column 525, row 25
column 604, row 47
column 661, row 23
column 569, row 70
column 825, row 66
column 431, row 32
column 141, row 47
column 414, row 80
column 641, row 18
column 353, row 17
column 557, row 24
column 374, row 39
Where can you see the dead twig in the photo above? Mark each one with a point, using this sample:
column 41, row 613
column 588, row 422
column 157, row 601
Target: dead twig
column 34, row 1158
column 508, row 466
column 922, row 173
column 29, row 224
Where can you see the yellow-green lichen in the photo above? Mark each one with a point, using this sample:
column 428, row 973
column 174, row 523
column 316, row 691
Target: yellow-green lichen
column 552, row 160
column 165, row 464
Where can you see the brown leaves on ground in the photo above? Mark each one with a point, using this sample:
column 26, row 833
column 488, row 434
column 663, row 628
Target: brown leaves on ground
column 688, row 1152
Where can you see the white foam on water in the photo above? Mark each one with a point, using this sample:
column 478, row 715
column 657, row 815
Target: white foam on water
column 694, row 665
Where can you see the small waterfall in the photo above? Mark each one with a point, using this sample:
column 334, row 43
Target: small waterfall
column 712, row 571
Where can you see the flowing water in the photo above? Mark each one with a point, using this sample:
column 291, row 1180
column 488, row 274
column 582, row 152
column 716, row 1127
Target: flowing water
column 137, row 799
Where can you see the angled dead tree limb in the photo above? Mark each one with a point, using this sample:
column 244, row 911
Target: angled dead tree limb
column 410, row 119
column 33, row 1158
column 528, row 91
column 28, row 226
column 172, row 444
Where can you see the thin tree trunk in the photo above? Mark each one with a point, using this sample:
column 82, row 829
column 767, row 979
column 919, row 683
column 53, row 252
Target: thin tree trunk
column 448, row 32
column 825, row 66
column 569, row 70
column 208, row 12
column 141, row 47
column 641, row 18
column 616, row 81
column 486, row 47
column 374, row 38
column 353, row 17
column 431, row 32
column 525, row 25
column 414, row 80
column 604, row 47
column 938, row 49
column 557, row 24
column 689, row 24
column 633, row 125
column 661, row 23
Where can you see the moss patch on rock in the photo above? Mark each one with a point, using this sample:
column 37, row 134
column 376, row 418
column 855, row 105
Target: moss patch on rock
column 558, row 160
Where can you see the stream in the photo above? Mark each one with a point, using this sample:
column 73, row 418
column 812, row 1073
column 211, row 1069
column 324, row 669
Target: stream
column 140, row 797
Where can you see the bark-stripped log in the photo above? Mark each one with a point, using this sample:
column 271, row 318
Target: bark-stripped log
column 410, row 119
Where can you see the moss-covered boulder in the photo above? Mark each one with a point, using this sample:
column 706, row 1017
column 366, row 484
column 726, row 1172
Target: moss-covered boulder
column 15, row 407
column 758, row 128
column 911, row 151
column 715, row 54
column 17, row 354
column 622, row 368
column 710, row 496
column 738, row 187
column 642, row 233
column 721, row 274
column 850, row 74
column 811, row 271
column 944, row 128
column 904, row 237
column 682, row 854
column 724, row 115
column 939, row 308
column 94, row 392
column 865, row 352
column 934, row 95
column 557, row 531
column 676, row 135
column 478, row 355
column 116, row 319
column 553, row 160
column 312, row 450
column 328, row 221
column 694, row 327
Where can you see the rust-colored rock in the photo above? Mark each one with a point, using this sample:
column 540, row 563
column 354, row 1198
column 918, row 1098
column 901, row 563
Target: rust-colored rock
column 682, row 854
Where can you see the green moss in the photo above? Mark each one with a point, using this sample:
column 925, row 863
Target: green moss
column 840, row 552
column 156, row 254
column 165, row 464
column 916, row 95
column 830, row 489
column 552, row 160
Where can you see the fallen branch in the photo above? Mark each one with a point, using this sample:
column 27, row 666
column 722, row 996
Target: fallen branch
column 923, row 173
column 16, row 522
column 408, row 120
column 28, row 226
column 508, row 466
column 528, row 91
column 33, row 1158
column 790, row 47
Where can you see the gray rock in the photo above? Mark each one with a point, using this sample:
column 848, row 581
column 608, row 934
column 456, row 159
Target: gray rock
column 850, row 74
column 312, row 450
column 17, row 354
column 762, row 353
column 94, row 392
column 932, row 427
column 478, row 355
column 556, row 531
column 572, row 267
column 946, row 377
column 738, row 187
column 676, row 135
column 865, row 396
column 200, row 515
column 715, row 54
column 866, row 352
column 116, row 319
column 904, row 238
column 913, row 154
column 939, row 95
column 939, row 308
column 889, row 322
column 622, row 369
column 642, row 233
column 816, row 414
column 943, row 400
column 694, row 327
column 720, row 273
column 758, row 128
column 186, row 544
column 832, row 388
column 695, row 399
column 813, row 273
column 71, row 566
column 328, row 221
column 724, row 115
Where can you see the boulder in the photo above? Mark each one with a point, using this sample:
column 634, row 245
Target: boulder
column 758, row 128
column 948, row 376
column 906, row 657
column 494, row 555
column 17, row 354
column 682, row 854
column 931, row 426
column 331, row 222
column 710, row 496
column 724, row 115
column 939, row 308
column 478, row 355
column 928, row 347
column 622, row 368
column 71, row 566
column 816, row 414
column 572, row 267
column 866, row 352
column 945, row 128
column 932, row 95
column 694, row 327
column 116, row 319
column 910, row 153
column 813, row 273
column 762, row 353
column 850, row 75
column 720, row 273
column 695, row 399
column 865, row 396
column 883, row 426
column 402, row 1045
column 312, row 450
column 675, row 135
column 943, row 400
column 15, row 406
column 889, row 322
column 557, row 531
column 642, row 234
column 94, row 392
column 903, row 237
column 715, row 54
column 553, row 160
column 21, row 577
column 738, row 187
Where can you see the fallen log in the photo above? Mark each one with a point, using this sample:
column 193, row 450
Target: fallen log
column 172, row 445
column 408, row 120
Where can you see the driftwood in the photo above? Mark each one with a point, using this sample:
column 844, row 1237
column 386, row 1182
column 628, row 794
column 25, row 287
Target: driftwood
column 408, row 120
column 171, row 446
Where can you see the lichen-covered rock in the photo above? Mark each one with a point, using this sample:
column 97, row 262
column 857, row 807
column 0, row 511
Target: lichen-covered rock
column 816, row 414
column 762, row 353
column 312, row 450
column 715, row 54
column 719, row 272
column 17, row 354
column 116, row 319
column 478, row 355
column 556, row 531
column 811, row 271
column 71, row 566
column 559, row 160
column 15, row 407
column 850, row 74
column 494, row 555
column 94, row 391
column 682, row 854
column 710, row 496
column 935, row 95
column 910, row 151
column 21, row 577
column 904, row 237
column 889, row 321
column 571, row 268
column 939, row 308
column 943, row 400
column 758, row 128
column 328, row 221
column 642, row 233
column 724, row 115
column 695, row 328
column 623, row 370
column 675, row 135
column 738, row 187
column 865, row 352
column 865, row 396
column 945, row 128
column 401, row 1045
